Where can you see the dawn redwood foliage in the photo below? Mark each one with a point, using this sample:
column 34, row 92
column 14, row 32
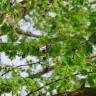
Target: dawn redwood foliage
column 60, row 35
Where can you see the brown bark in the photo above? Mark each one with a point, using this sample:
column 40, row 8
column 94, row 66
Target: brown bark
column 88, row 91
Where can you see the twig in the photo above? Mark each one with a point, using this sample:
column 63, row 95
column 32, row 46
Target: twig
column 16, row 67
column 91, row 56
column 44, row 71
column 47, row 84
column 43, row 87
column 21, row 32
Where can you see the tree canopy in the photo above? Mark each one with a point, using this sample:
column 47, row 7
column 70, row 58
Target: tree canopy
column 60, row 35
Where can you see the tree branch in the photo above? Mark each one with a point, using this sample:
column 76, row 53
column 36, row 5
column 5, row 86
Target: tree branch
column 87, row 91
column 21, row 32
column 9, row 20
column 45, row 70
column 16, row 67
column 91, row 56
column 47, row 84
column 43, row 87
column 30, row 34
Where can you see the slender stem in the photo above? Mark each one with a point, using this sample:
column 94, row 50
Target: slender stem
column 55, row 81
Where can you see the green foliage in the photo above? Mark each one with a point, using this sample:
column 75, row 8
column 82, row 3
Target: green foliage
column 61, row 48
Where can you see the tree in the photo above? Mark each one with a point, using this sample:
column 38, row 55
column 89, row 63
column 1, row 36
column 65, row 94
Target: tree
column 63, row 47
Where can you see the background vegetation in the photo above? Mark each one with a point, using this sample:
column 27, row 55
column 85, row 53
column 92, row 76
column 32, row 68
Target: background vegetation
column 63, row 46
